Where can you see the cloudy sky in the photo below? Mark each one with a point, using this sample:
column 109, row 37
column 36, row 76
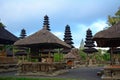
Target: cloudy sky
column 78, row 14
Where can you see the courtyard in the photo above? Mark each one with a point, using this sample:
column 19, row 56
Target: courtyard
column 82, row 73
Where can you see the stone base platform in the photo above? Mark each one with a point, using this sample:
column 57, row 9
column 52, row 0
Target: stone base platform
column 55, row 73
column 111, row 72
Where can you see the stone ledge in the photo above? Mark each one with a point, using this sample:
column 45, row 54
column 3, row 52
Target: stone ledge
column 55, row 73
column 110, row 78
column 8, row 70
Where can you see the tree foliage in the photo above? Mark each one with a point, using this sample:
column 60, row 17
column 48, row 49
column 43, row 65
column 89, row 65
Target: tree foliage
column 2, row 25
column 114, row 19
column 58, row 57
column 99, row 56
column 106, row 56
column 83, row 55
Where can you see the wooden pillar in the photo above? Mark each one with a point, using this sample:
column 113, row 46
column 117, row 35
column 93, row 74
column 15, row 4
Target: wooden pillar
column 87, row 59
column 62, row 56
column 111, row 56
column 49, row 54
column 28, row 54
column 59, row 54
column 13, row 52
column 23, row 58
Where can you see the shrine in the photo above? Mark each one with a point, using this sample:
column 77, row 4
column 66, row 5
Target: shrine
column 68, row 39
column 89, row 47
column 42, row 45
column 110, row 38
column 7, row 60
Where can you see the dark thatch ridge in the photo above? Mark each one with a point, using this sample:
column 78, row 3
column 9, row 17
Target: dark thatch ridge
column 115, row 51
column 69, row 56
column 20, row 53
column 47, row 51
column 90, row 50
column 109, row 37
column 42, row 39
column 6, row 37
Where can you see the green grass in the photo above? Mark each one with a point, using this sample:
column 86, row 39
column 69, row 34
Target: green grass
column 16, row 78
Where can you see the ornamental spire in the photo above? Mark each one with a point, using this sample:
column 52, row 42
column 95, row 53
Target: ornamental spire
column 23, row 34
column 46, row 22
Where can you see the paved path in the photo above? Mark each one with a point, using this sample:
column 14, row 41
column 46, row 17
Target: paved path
column 82, row 73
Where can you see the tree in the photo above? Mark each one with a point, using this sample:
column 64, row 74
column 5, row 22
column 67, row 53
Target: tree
column 2, row 25
column 83, row 55
column 106, row 57
column 114, row 19
column 58, row 57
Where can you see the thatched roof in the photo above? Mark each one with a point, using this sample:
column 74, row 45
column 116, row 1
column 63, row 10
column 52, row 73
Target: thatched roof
column 5, row 36
column 109, row 37
column 69, row 56
column 90, row 50
column 42, row 39
column 73, row 54
column 65, row 51
column 47, row 51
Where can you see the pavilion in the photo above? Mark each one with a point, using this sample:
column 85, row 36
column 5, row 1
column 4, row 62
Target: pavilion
column 6, row 37
column 40, row 41
column 7, row 61
column 110, row 38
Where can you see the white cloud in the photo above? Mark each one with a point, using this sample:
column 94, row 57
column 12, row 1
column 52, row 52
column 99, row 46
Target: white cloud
column 97, row 26
column 80, row 33
column 82, row 13
column 59, row 34
column 21, row 10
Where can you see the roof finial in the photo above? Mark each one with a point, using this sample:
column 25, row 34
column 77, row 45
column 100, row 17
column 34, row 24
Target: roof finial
column 45, row 27
column 23, row 33
column 46, row 22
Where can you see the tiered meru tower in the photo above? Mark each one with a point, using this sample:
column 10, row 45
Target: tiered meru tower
column 89, row 46
column 46, row 22
column 89, row 42
column 23, row 34
column 68, row 37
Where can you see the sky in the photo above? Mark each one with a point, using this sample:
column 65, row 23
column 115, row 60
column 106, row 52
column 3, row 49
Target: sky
column 80, row 15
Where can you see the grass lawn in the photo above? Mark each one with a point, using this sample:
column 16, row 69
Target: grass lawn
column 16, row 78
